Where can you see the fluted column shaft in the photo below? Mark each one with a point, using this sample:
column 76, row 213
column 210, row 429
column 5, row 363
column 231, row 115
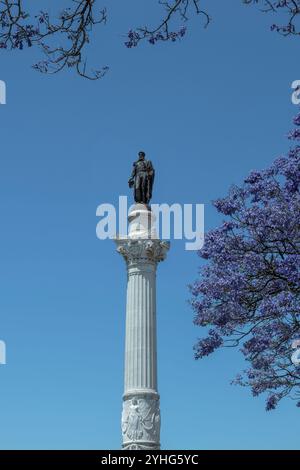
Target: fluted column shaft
column 140, row 345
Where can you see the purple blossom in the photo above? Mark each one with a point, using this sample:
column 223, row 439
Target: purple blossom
column 248, row 292
column 134, row 37
column 272, row 401
column 209, row 344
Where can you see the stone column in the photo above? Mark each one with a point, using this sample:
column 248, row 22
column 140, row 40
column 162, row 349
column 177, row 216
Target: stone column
column 141, row 251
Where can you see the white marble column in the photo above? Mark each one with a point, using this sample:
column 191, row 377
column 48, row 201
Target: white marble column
column 141, row 251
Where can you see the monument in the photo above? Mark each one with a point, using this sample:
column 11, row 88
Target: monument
column 142, row 251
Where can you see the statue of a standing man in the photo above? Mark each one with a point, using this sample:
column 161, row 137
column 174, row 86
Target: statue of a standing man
column 141, row 179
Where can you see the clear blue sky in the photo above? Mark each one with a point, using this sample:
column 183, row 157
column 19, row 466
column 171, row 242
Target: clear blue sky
column 210, row 109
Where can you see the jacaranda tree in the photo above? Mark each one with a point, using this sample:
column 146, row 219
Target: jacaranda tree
column 64, row 37
column 248, row 292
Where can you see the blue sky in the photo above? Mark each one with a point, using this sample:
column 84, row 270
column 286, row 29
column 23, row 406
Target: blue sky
column 206, row 110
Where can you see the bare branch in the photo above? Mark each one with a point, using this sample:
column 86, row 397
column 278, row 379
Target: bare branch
column 178, row 9
column 72, row 28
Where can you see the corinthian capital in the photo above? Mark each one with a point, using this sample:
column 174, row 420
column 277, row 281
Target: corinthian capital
column 142, row 250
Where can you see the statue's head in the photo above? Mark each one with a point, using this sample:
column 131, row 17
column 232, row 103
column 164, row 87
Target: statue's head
column 142, row 155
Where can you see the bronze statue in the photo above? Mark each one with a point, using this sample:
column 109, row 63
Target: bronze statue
column 141, row 179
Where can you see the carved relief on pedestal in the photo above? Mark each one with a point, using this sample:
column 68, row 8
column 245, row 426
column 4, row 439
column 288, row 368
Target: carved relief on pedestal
column 141, row 421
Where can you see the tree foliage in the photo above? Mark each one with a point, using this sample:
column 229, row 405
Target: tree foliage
column 63, row 39
column 248, row 292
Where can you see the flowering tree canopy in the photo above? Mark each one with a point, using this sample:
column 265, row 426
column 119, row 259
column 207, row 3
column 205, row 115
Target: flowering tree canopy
column 248, row 293
column 63, row 39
